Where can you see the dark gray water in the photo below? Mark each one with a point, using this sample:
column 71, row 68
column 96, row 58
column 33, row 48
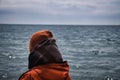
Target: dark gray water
column 93, row 52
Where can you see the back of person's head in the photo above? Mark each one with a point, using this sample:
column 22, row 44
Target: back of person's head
column 43, row 49
column 38, row 37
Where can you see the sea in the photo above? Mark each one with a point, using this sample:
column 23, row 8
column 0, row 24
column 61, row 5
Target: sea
column 92, row 51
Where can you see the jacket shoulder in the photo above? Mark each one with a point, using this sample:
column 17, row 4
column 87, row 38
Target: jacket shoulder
column 26, row 76
column 30, row 75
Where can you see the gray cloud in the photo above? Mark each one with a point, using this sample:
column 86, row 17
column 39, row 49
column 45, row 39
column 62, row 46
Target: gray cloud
column 83, row 9
column 63, row 6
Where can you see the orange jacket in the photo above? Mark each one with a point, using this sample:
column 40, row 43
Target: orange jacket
column 52, row 71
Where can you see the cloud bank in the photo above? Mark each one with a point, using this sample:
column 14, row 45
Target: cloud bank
column 60, row 11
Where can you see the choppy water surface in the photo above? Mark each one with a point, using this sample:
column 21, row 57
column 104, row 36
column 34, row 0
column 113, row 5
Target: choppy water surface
column 93, row 52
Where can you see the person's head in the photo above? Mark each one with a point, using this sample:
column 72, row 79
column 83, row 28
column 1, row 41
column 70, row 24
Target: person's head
column 38, row 37
column 43, row 49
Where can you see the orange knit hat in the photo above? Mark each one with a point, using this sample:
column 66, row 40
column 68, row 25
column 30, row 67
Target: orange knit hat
column 38, row 37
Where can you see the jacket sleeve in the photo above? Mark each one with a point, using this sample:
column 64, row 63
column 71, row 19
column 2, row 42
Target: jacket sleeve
column 26, row 77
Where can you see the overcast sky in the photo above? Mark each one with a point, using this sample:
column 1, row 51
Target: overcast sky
column 60, row 11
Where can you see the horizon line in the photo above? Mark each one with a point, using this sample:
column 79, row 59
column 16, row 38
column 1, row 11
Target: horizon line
column 54, row 24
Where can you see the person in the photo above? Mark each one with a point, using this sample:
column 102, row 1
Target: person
column 45, row 61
